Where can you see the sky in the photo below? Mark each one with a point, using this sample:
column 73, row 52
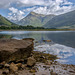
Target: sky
column 17, row 9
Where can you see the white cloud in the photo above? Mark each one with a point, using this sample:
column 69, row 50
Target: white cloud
column 6, row 3
column 29, row 9
column 14, row 10
column 39, row 6
column 56, row 7
column 48, row 6
column 15, row 14
column 32, row 2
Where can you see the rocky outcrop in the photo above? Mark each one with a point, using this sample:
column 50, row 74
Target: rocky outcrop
column 14, row 50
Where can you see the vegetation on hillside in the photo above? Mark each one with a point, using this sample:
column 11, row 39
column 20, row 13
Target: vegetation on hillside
column 5, row 22
column 62, row 21
column 36, row 20
column 30, row 28
column 19, row 27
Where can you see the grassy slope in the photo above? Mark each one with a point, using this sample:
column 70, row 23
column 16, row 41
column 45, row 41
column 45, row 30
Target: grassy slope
column 35, row 19
column 4, row 21
column 62, row 21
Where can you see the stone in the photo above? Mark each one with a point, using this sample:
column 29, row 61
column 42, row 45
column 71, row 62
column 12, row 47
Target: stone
column 13, row 67
column 19, row 65
column 31, row 39
column 1, row 66
column 23, row 66
column 32, row 71
column 12, row 49
column 3, row 63
column 6, row 65
column 31, row 61
column 48, row 62
column 16, row 73
column 53, row 73
column 5, row 72
column 20, row 61
column 47, row 40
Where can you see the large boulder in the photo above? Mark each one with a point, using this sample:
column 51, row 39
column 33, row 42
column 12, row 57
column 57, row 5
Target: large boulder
column 14, row 50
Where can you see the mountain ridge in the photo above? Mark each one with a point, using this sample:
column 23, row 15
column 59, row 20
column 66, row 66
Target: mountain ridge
column 5, row 22
column 66, row 20
column 35, row 19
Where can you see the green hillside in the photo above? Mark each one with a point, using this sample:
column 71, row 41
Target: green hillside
column 62, row 21
column 35, row 19
column 4, row 21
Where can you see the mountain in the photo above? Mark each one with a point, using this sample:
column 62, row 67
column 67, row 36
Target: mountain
column 66, row 20
column 4, row 21
column 35, row 19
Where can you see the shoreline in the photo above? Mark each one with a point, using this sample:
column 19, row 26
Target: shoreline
column 36, row 63
column 40, row 68
column 38, row 30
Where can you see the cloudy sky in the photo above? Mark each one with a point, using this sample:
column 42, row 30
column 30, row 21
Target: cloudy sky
column 18, row 9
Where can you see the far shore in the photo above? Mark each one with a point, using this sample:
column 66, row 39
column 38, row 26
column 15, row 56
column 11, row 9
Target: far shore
column 37, row 30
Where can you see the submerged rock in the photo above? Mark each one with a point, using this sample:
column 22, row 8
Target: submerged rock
column 47, row 40
column 12, row 49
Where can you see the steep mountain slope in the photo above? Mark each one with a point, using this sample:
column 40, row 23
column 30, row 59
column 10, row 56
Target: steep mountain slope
column 35, row 19
column 4, row 21
column 66, row 20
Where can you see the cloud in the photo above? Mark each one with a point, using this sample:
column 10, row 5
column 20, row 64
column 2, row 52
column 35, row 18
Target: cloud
column 15, row 14
column 56, row 7
column 6, row 3
column 30, row 9
column 32, row 2
column 46, row 7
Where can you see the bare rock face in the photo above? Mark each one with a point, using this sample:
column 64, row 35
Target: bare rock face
column 13, row 50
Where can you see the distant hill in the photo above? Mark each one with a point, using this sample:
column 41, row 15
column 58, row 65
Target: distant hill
column 4, row 21
column 66, row 20
column 35, row 19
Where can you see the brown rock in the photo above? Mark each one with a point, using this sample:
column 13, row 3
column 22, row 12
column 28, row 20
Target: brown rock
column 13, row 67
column 47, row 40
column 1, row 66
column 3, row 63
column 19, row 65
column 12, row 49
column 28, row 39
column 53, row 73
column 5, row 72
column 32, row 71
column 6, row 65
column 48, row 62
column 31, row 61
column 23, row 66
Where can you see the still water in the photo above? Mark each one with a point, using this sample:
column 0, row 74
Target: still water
column 63, row 42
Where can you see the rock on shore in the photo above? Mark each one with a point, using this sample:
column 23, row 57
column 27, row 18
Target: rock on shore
column 14, row 50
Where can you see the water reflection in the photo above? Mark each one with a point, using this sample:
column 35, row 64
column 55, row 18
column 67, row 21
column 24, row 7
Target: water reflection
column 5, row 36
column 66, row 54
column 62, row 37
column 63, row 43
